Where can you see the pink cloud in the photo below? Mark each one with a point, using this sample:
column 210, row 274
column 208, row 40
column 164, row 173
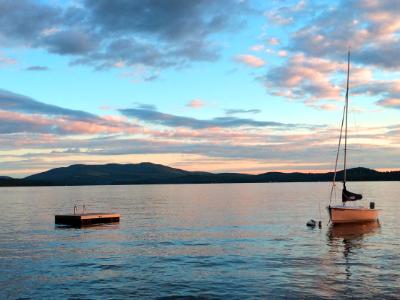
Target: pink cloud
column 12, row 122
column 234, row 145
column 282, row 53
column 257, row 48
column 5, row 60
column 315, row 68
column 195, row 103
column 360, row 76
column 82, row 127
column 250, row 60
column 370, row 27
column 274, row 41
column 24, row 118
column 305, row 78
column 326, row 106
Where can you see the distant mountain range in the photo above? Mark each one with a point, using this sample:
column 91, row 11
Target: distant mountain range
column 149, row 173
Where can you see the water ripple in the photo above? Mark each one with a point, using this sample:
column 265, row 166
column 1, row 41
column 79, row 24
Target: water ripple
column 234, row 242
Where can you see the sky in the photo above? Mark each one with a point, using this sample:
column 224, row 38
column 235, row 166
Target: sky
column 220, row 86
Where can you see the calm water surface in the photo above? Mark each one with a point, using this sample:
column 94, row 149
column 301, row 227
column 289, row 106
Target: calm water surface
column 231, row 241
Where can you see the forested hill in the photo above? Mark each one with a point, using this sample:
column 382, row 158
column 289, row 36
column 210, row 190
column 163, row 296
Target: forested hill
column 149, row 173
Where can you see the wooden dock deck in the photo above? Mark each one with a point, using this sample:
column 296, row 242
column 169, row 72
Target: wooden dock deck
column 85, row 219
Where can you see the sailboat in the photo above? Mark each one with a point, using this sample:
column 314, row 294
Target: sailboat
column 344, row 213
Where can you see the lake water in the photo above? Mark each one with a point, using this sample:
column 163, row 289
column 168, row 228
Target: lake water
column 235, row 241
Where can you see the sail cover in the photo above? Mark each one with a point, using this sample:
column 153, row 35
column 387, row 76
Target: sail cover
column 349, row 196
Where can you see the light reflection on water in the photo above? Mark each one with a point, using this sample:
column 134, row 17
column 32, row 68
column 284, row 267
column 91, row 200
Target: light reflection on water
column 213, row 241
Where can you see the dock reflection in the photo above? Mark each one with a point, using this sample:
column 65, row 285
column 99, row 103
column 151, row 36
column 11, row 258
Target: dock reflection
column 348, row 238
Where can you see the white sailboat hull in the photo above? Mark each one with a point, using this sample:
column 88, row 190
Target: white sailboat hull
column 343, row 214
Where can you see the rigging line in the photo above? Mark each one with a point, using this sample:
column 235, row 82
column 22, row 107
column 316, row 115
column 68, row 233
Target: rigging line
column 356, row 126
column 337, row 157
column 346, row 109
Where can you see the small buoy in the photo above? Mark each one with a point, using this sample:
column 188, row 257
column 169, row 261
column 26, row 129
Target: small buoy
column 311, row 223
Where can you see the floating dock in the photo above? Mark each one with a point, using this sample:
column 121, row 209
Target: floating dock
column 85, row 219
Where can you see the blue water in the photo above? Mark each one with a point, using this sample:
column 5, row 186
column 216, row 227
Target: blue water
column 232, row 241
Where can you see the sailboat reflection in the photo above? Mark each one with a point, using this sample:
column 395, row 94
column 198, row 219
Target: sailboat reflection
column 350, row 236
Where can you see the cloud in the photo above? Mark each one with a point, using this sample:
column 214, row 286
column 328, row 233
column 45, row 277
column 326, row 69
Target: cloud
column 370, row 27
column 277, row 18
column 10, row 101
column 305, row 79
column 106, row 34
column 387, row 90
column 20, row 113
column 73, row 42
column 155, row 117
column 15, row 123
column 37, row 68
column 145, row 106
column 285, row 15
column 151, row 77
column 257, row 48
column 274, row 41
column 250, row 60
column 306, row 148
column 5, row 60
column 130, row 52
column 381, row 55
column 195, row 103
column 22, row 22
column 317, row 36
column 282, row 53
column 106, row 107
column 325, row 106
column 138, row 73
column 12, row 122
column 390, row 103
column 48, row 139
column 242, row 111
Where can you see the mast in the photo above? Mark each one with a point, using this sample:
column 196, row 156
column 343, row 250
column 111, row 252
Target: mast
column 346, row 113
